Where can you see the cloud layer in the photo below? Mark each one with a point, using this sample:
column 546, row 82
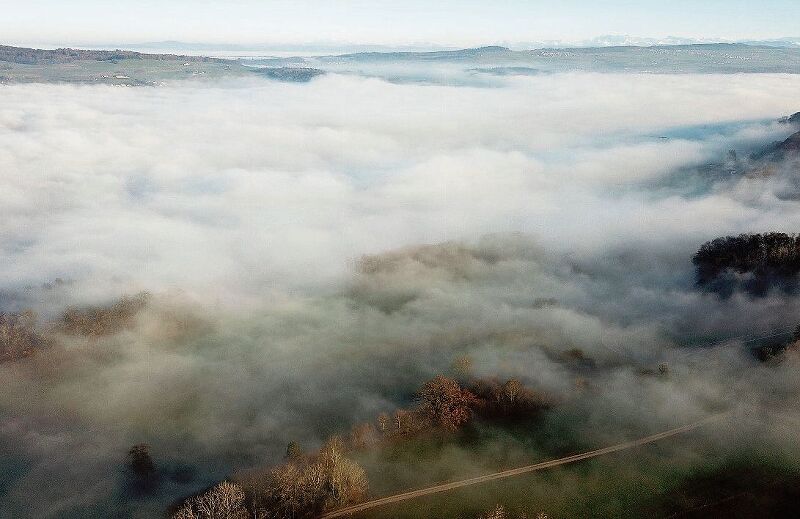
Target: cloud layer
column 562, row 212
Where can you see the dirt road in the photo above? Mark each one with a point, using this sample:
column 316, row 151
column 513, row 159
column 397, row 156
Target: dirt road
column 444, row 487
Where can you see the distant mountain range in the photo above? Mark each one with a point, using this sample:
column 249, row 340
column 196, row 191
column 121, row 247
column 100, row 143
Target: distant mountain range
column 720, row 58
column 323, row 48
column 473, row 66
column 612, row 40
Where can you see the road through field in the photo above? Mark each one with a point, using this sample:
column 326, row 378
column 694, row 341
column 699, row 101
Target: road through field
column 444, row 487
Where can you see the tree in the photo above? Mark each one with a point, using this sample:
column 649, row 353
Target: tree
column 402, row 420
column 306, row 486
column 363, row 435
column 445, row 402
column 293, row 450
column 512, row 390
column 224, row 501
column 509, row 400
column 383, row 423
column 346, row 480
column 141, row 468
column 463, row 367
column 140, row 462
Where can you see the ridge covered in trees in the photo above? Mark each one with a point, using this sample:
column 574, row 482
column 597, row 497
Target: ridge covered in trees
column 28, row 56
column 753, row 263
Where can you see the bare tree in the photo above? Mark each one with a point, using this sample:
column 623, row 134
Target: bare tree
column 512, row 390
column 224, row 501
column 383, row 423
column 309, row 485
column 511, row 399
column 402, row 420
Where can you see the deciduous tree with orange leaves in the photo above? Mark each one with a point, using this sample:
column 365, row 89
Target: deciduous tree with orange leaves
column 446, row 403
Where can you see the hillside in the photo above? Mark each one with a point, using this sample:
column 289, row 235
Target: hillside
column 681, row 59
column 128, row 68
column 28, row 56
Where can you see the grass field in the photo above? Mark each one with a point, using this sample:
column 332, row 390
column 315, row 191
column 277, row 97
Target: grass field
column 659, row 480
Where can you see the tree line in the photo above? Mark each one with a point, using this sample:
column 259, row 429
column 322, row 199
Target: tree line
column 308, row 484
column 28, row 56
column 21, row 334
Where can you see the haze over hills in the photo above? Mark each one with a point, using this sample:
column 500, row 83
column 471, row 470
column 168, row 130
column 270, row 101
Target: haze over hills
column 323, row 47
column 473, row 66
column 29, row 56
column 278, row 281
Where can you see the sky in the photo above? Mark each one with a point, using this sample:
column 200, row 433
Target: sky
column 446, row 22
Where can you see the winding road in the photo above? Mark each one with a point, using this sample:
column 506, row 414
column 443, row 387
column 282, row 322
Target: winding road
column 444, row 487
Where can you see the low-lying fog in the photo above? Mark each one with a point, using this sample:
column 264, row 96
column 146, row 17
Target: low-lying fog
column 509, row 223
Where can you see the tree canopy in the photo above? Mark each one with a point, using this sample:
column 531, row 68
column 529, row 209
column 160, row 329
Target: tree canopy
column 754, row 263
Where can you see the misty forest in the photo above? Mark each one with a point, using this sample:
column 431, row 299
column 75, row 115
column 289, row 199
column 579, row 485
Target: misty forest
column 400, row 284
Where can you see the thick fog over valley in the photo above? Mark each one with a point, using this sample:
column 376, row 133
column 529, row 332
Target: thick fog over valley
column 285, row 260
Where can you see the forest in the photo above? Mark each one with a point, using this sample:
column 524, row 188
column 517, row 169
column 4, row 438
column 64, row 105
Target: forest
column 754, row 263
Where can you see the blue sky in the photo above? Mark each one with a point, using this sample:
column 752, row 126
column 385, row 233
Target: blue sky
column 448, row 22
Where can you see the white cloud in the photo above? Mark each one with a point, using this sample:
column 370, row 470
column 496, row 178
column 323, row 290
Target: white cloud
column 205, row 184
